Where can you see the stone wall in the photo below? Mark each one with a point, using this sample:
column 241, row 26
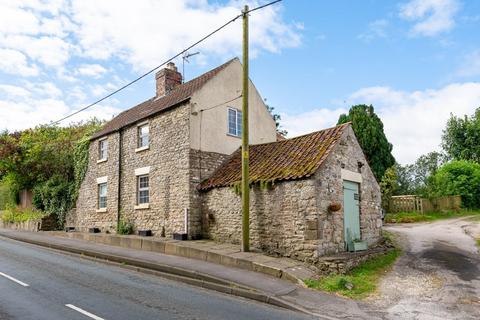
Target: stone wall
column 169, row 177
column 85, row 214
column 202, row 165
column 168, row 159
column 291, row 218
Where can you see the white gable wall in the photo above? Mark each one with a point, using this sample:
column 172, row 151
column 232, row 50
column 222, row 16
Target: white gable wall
column 209, row 113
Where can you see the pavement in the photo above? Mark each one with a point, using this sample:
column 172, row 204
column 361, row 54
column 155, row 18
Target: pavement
column 200, row 273
column 438, row 277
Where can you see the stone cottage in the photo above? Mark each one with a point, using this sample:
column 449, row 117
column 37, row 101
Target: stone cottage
column 172, row 165
column 146, row 163
column 311, row 195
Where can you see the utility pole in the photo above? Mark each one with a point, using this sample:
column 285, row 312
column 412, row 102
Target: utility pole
column 245, row 175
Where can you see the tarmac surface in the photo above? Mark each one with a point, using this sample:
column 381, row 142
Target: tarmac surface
column 44, row 284
column 438, row 277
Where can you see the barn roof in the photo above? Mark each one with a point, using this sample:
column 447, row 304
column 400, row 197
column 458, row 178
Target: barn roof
column 289, row 159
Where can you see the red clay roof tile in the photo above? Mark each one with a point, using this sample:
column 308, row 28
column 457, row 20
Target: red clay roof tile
column 289, row 159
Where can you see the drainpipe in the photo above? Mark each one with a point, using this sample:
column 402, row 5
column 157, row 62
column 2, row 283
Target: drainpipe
column 119, row 189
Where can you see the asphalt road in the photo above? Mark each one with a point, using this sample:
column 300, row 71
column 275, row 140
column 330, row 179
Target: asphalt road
column 37, row 283
column 438, row 277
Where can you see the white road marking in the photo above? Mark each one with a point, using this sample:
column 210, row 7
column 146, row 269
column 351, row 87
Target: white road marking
column 86, row 313
column 13, row 279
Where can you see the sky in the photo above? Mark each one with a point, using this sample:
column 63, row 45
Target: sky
column 415, row 61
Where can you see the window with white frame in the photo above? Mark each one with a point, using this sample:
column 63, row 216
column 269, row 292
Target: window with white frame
column 143, row 189
column 103, row 149
column 102, row 195
column 143, row 136
column 234, row 122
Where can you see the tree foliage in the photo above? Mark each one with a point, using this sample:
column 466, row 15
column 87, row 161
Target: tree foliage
column 388, row 186
column 370, row 134
column 277, row 118
column 458, row 177
column 461, row 137
column 413, row 178
column 49, row 160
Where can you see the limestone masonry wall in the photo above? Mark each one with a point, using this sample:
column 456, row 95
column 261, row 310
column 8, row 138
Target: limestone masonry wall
column 168, row 159
column 291, row 218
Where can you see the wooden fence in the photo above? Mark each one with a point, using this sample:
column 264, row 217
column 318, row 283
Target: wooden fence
column 411, row 203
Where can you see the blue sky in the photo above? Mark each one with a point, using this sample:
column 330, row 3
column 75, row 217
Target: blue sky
column 415, row 61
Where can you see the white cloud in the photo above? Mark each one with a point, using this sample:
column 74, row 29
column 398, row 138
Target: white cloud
column 15, row 62
column 413, row 121
column 310, row 121
column 44, row 89
column 14, row 91
column 91, row 70
column 431, row 17
column 471, row 65
column 376, row 29
column 150, row 31
column 49, row 50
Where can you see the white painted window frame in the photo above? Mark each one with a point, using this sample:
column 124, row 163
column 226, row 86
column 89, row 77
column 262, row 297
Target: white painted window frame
column 102, row 205
column 140, row 137
column 102, row 150
column 143, row 205
column 238, row 124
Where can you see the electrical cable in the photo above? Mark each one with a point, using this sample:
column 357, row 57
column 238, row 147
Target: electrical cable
column 160, row 65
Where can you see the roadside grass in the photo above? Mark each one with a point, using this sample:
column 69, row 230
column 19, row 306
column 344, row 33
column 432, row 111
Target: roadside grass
column 14, row 215
column 409, row 217
column 364, row 278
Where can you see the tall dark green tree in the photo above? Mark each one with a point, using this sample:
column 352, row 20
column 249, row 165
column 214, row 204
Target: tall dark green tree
column 461, row 137
column 369, row 131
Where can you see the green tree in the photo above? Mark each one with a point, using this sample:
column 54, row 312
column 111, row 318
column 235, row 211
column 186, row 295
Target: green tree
column 459, row 177
column 461, row 137
column 388, row 186
column 277, row 118
column 369, row 131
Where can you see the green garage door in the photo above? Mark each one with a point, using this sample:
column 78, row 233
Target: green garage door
column 351, row 213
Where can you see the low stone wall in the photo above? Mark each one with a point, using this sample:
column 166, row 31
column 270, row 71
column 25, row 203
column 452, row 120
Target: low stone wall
column 45, row 224
column 32, row 225
column 344, row 262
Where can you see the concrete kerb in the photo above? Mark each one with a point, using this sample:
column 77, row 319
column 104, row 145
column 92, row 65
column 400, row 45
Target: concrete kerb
column 173, row 273
column 219, row 255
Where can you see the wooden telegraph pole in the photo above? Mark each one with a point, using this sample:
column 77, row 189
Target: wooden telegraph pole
column 245, row 167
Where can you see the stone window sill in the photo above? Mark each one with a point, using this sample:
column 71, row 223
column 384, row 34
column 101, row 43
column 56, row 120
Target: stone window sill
column 102, row 160
column 101, row 210
column 142, row 206
column 234, row 136
column 142, row 149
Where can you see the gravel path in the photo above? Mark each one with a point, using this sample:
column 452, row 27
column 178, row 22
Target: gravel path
column 438, row 277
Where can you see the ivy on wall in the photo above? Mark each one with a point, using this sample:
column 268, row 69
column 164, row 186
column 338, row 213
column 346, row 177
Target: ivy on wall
column 49, row 160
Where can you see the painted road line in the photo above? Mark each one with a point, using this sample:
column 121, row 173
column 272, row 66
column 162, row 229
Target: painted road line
column 13, row 279
column 86, row 313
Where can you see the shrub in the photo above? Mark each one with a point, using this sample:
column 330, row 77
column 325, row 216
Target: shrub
column 15, row 215
column 124, row 227
column 458, row 178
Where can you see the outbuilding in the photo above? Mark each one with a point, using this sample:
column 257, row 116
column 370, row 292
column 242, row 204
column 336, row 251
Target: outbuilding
column 310, row 196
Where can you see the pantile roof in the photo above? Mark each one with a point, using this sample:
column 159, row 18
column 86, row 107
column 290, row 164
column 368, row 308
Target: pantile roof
column 288, row 159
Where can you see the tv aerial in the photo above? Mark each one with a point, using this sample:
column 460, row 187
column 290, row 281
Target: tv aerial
column 185, row 57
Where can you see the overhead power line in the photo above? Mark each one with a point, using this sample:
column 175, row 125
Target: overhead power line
column 162, row 64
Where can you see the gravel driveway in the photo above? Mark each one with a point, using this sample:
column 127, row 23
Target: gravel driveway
column 438, row 277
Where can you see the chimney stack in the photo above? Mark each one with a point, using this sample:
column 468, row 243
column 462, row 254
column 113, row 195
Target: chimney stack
column 167, row 79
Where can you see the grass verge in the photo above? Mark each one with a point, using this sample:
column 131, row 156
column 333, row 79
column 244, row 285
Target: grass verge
column 409, row 217
column 364, row 278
